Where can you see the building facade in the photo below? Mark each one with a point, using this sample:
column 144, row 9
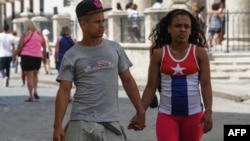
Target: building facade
column 53, row 14
column 46, row 13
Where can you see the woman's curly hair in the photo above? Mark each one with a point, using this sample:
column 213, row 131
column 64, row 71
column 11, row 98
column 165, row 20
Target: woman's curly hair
column 161, row 37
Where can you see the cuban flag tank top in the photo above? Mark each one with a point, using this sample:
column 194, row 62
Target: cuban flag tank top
column 179, row 84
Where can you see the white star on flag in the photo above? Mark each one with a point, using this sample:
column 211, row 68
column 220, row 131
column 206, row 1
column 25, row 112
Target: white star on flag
column 177, row 69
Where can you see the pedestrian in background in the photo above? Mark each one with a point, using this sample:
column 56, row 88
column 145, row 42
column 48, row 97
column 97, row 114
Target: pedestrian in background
column 118, row 6
column 94, row 64
column 18, row 61
column 17, row 38
column 214, row 27
column 63, row 44
column 7, row 47
column 201, row 18
column 46, row 64
column 12, row 64
column 222, row 14
column 32, row 50
column 179, row 67
column 135, row 21
column 129, row 9
column 157, row 4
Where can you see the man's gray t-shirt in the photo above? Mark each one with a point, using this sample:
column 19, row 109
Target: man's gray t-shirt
column 94, row 70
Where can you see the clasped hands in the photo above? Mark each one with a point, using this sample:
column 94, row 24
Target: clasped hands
column 137, row 122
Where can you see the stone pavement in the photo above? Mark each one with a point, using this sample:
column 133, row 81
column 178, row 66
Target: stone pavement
column 24, row 121
column 237, row 90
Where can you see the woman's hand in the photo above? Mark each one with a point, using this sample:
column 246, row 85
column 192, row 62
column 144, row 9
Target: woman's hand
column 137, row 122
column 207, row 121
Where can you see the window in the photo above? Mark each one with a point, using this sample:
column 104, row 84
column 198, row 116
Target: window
column 66, row 2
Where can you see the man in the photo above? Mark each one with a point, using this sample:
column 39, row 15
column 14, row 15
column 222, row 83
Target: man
column 94, row 64
column 7, row 47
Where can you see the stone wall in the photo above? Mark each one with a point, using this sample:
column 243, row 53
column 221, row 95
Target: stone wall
column 140, row 58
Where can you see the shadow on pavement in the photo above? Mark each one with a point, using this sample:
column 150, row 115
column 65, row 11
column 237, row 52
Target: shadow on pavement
column 33, row 121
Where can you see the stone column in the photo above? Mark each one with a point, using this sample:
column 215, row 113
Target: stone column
column 38, row 20
column 179, row 4
column 2, row 1
column 142, row 5
column 13, row 9
column 152, row 17
column 26, row 13
column 58, row 22
column 166, row 3
column 18, row 23
column 1, row 9
column 26, row 5
column 31, row 4
column 76, row 30
column 123, row 3
column 107, row 3
column 114, row 24
column 5, row 13
column 26, row 9
column 238, row 30
column 41, row 7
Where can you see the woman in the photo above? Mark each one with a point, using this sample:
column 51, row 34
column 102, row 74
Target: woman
column 179, row 65
column 222, row 12
column 215, row 25
column 63, row 44
column 29, row 49
column 201, row 17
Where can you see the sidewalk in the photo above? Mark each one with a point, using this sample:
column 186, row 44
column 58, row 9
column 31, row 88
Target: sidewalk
column 237, row 90
column 25, row 121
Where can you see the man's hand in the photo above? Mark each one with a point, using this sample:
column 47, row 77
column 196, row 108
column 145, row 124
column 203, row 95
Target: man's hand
column 58, row 134
column 137, row 122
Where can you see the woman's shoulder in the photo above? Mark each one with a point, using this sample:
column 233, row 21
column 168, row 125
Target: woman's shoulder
column 38, row 32
column 200, row 51
column 30, row 32
column 61, row 37
column 156, row 52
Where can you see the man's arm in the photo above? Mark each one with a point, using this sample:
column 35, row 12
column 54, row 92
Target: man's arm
column 132, row 91
column 61, row 104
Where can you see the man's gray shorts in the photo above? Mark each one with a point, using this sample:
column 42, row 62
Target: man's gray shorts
column 92, row 131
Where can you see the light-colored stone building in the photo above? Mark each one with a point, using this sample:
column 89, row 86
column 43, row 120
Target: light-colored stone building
column 53, row 14
column 14, row 12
